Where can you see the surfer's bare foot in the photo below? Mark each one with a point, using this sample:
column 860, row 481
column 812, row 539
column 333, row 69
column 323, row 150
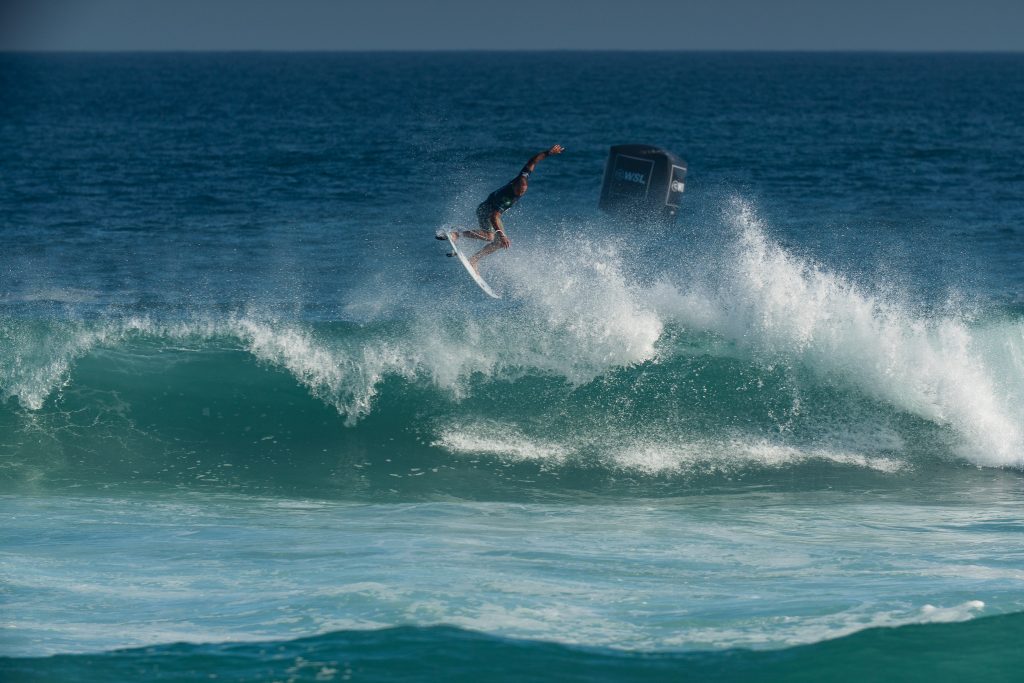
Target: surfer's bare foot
column 453, row 236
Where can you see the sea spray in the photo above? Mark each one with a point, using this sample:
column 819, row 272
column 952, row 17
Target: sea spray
column 928, row 366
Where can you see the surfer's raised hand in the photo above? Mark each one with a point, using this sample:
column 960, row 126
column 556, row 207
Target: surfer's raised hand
column 503, row 239
column 532, row 163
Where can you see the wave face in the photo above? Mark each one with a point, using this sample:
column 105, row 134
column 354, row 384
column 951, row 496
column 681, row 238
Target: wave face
column 716, row 359
column 984, row 649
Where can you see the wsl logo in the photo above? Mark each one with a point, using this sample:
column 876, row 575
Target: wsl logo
column 631, row 176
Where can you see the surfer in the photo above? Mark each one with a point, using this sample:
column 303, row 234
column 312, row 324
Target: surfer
column 488, row 214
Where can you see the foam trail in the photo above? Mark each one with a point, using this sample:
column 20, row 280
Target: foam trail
column 661, row 455
column 500, row 440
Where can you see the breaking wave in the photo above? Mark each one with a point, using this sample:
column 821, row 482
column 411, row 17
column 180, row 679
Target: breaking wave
column 741, row 355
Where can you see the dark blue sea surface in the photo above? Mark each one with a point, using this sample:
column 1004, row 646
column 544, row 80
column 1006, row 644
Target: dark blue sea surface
column 249, row 407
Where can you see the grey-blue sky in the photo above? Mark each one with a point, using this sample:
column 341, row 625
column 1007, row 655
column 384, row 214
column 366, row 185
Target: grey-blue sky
column 933, row 25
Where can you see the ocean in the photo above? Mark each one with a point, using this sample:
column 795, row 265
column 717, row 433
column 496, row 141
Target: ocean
column 255, row 426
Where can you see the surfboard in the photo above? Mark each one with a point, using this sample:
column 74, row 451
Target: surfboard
column 472, row 273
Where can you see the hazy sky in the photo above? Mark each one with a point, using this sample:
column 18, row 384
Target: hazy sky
column 512, row 24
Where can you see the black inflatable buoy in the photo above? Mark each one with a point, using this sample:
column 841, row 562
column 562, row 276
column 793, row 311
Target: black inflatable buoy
column 642, row 182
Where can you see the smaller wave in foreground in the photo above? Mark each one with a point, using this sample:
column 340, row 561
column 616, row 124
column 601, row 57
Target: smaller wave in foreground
column 986, row 649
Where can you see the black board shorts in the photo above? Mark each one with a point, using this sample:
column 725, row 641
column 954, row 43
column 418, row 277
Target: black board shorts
column 483, row 216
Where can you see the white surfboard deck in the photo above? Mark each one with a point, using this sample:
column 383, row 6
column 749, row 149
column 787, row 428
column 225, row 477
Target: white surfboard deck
column 469, row 269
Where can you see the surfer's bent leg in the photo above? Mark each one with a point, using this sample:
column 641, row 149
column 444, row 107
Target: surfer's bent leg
column 485, row 235
column 498, row 239
column 489, row 249
column 489, row 220
column 485, row 222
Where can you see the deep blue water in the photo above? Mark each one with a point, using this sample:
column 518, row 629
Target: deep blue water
column 249, row 405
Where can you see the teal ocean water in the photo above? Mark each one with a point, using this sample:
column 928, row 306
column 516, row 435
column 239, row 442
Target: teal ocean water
column 255, row 426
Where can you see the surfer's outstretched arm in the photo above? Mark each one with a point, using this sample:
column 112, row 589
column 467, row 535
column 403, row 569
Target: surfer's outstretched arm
column 540, row 156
